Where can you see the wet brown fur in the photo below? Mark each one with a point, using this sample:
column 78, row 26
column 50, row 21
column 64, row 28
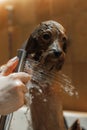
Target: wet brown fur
column 47, row 45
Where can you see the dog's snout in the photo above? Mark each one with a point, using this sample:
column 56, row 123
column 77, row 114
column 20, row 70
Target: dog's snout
column 57, row 53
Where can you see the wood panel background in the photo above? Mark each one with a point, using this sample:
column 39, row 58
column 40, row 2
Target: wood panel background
column 72, row 14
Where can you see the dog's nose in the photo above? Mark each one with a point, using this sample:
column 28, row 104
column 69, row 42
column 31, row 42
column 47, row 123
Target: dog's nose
column 57, row 53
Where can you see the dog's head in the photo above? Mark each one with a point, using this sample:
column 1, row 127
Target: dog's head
column 47, row 44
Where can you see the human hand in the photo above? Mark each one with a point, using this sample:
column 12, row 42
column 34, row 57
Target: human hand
column 12, row 88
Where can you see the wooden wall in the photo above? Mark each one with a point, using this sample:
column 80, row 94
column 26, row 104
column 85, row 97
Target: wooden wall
column 72, row 14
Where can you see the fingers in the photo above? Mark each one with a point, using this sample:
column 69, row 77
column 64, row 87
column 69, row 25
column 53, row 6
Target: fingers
column 22, row 76
column 14, row 86
column 10, row 66
column 11, row 101
column 20, row 80
column 20, row 87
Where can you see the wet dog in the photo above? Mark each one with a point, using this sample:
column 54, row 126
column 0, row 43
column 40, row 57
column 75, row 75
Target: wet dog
column 46, row 46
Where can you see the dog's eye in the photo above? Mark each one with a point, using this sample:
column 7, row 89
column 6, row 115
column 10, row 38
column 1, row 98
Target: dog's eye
column 64, row 39
column 46, row 36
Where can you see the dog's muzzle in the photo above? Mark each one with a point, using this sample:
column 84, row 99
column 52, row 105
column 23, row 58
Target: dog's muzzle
column 53, row 59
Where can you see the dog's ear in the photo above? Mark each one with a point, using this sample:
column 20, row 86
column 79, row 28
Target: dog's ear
column 65, row 44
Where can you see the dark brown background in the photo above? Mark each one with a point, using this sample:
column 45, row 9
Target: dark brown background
column 72, row 14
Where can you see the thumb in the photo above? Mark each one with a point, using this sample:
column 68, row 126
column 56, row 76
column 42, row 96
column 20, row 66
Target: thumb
column 10, row 66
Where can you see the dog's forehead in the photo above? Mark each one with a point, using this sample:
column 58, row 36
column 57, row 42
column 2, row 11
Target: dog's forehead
column 48, row 25
column 53, row 25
